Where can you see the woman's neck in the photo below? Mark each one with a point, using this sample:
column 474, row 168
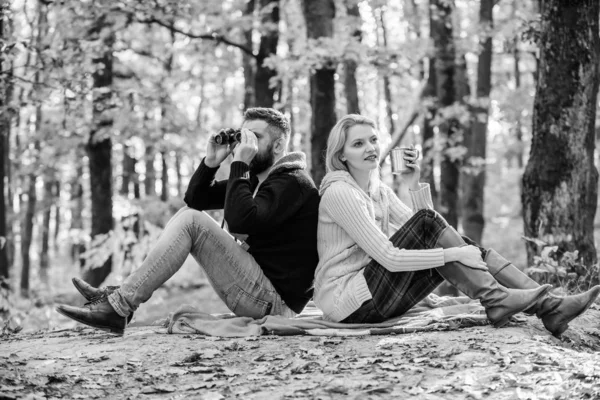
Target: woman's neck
column 362, row 178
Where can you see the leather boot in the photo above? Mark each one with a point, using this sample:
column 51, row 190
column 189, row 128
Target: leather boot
column 500, row 302
column 98, row 314
column 555, row 312
column 90, row 292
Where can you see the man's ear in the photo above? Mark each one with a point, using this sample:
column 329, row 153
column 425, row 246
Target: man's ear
column 279, row 146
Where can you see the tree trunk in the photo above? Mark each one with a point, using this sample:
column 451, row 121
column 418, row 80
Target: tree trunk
column 78, row 245
column 4, row 159
column 150, row 180
column 560, row 184
column 319, row 15
column 47, row 202
column 516, row 56
column 99, row 150
column 57, row 211
column 247, row 59
column 128, row 171
column 269, row 38
column 350, row 85
column 387, row 91
column 27, row 234
column 445, row 69
column 429, row 150
column 179, row 175
column 473, row 220
column 164, row 177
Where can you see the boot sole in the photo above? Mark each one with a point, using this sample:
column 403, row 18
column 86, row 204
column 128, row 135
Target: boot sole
column 109, row 329
column 505, row 320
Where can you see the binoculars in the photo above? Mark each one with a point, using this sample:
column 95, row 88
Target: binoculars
column 228, row 136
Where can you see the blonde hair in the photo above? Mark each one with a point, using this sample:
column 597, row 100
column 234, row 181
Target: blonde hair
column 337, row 140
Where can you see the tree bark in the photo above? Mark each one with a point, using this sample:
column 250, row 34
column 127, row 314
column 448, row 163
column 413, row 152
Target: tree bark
column 264, row 92
column 473, row 221
column 387, row 91
column 248, row 60
column 517, row 68
column 164, row 177
column 27, row 234
column 150, row 179
column 47, row 202
column 429, row 152
column 560, row 184
column 4, row 159
column 350, row 65
column 319, row 15
column 99, row 150
column 445, row 70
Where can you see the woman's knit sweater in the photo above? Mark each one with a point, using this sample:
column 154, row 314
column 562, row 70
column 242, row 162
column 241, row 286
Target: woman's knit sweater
column 354, row 228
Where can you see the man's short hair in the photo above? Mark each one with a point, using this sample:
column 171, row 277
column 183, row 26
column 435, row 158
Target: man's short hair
column 278, row 123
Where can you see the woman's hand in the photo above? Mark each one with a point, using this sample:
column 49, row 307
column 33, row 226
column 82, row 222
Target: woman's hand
column 412, row 176
column 470, row 256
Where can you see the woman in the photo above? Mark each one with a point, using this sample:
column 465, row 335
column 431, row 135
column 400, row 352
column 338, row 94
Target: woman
column 378, row 257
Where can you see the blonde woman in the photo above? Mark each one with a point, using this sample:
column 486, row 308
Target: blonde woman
column 378, row 257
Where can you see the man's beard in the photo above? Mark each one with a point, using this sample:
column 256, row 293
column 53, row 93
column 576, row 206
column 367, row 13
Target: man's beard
column 262, row 161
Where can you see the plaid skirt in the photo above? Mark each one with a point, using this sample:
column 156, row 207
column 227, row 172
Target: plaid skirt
column 394, row 293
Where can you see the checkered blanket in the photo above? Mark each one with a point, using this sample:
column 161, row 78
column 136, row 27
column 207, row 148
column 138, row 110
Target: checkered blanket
column 433, row 313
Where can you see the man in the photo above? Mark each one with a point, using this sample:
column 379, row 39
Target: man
column 269, row 197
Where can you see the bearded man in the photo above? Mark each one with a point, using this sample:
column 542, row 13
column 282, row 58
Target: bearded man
column 269, row 198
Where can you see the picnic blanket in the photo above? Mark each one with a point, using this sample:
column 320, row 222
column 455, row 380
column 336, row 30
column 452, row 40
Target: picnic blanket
column 433, row 313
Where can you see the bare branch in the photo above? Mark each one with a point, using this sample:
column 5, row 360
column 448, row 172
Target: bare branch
column 217, row 37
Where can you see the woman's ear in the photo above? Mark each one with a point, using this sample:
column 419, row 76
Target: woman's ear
column 342, row 158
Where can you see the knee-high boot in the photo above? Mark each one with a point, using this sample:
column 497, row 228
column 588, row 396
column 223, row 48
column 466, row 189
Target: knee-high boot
column 554, row 311
column 500, row 302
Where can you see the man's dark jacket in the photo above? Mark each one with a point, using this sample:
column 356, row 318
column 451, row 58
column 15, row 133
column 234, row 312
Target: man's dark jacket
column 281, row 220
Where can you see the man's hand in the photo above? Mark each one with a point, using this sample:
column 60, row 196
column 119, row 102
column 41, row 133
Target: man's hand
column 247, row 148
column 215, row 153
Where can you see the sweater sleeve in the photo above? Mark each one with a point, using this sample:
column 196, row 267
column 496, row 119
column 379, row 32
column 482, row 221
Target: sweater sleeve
column 278, row 198
column 349, row 210
column 420, row 199
column 204, row 192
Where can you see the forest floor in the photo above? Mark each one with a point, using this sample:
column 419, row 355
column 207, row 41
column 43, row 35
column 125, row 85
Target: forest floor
column 521, row 361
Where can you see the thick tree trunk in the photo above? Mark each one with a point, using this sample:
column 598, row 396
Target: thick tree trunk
column 264, row 92
column 445, row 69
column 319, row 15
column 4, row 159
column 99, row 150
column 473, row 220
column 560, row 184
column 350, row 85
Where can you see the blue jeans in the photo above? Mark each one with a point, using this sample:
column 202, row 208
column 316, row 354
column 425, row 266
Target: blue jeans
column 233, row 273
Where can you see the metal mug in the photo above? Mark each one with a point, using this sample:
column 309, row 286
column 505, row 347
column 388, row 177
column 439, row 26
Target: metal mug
column 398, row 161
